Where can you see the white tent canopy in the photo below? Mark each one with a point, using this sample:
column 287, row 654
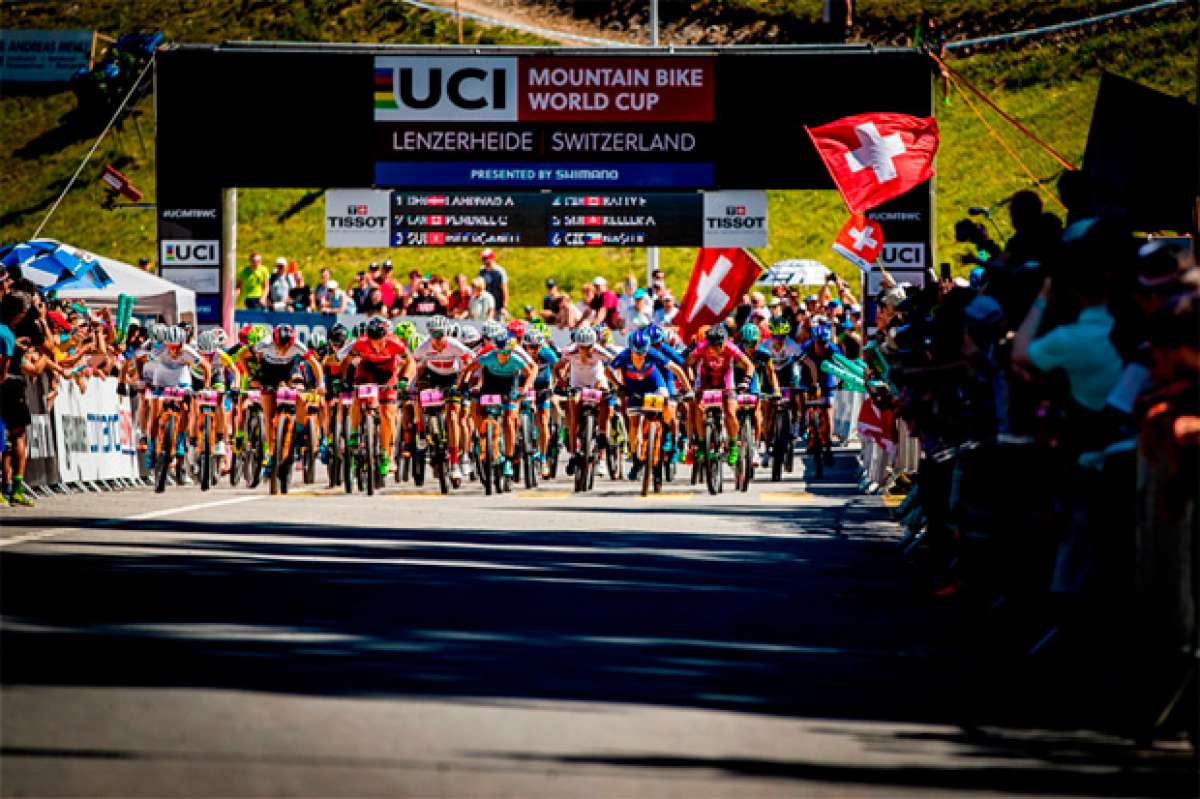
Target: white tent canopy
column 152, row 295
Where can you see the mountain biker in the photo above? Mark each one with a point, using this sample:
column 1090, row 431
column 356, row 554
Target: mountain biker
column 170, row 367
column 381, row 359
column 780, row 357
column 641, row 370
column 440, row 360
column 583, row 366
column 713, row 360
column 226, row 374
column 545, row 357
column 280, row 359
column 819, row 384
column 668, row 344
column 500, row 370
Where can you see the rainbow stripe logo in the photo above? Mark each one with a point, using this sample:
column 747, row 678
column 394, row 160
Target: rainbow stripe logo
column 385, row 92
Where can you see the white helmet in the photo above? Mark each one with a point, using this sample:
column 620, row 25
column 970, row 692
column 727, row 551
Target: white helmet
column 533, row 338
column 157, row 332
column 438, row 324
column 206, row 342
column 470, row 335
column 219, row 338
column 493, row 329
column 175, row 335
column 584, row 336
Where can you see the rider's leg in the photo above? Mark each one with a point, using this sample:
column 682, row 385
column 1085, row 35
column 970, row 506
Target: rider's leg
column 731, row 421
column 387, row 428
column 510, row 432
column 268, row 403
column 602, row 423
column 572, row 421
column 452, row 438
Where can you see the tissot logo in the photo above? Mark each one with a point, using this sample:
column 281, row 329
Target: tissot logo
column 356, row 218
column 440, row 88
column 735, row 210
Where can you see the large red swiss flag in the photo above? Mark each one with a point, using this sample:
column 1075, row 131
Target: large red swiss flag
column 875, row 157
column 719, row 279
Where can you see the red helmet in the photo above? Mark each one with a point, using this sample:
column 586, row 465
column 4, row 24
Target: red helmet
column 244, row 334
column 283, row 335
column 517, row 327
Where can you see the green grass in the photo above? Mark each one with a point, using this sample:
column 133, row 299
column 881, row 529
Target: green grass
column 1050, row 87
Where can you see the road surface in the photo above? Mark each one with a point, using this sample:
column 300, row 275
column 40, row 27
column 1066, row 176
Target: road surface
column 535, row 644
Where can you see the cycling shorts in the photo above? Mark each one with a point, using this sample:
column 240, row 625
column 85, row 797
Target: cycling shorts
column 431, row 379
column 271, row 375
column 160, row 376
column 497, row 384
column 370, row 373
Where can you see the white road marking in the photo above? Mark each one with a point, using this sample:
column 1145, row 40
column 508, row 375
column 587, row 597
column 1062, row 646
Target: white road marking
column 42, row 534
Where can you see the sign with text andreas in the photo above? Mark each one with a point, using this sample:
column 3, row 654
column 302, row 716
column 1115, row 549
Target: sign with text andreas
column 536, row 121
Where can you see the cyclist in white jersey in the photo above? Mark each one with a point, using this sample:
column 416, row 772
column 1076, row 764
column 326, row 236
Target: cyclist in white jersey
column 440, row 359
column 171, row 367
column 584, row 367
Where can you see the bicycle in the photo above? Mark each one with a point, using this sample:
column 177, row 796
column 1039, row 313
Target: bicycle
column 337, row 466
column 813, row 417
column 554, row 435
column 285, row 425
column 528, row 445
column 253, row 453
column 491, row 439
column 308, row 443
column 366, row 460
column 433, row 407
column 409, row 457
column 207, row 402
column 618, row 441
column 650, row 442
column 712, row 441
column 587, row 457
column 169, row 442
column 743, row 470
column 782, row 441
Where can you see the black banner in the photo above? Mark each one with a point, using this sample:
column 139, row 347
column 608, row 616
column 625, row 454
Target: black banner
column 41, row 467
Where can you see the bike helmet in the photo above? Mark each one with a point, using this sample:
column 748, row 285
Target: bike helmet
column 283, row 335
column 219, row 337
column 437, row 326
column 338, row 334
column 780, row 326
column 603, row 334
column 751, row 333
column 639, row 342
column 533, row 339
column 317, row 341
column 360, row 329
column 377, row 328
column 157, row 332
column 584, row 336
column 716, row 335
column 404, row 329
column 455, row 330
column 470, row 336
column 494, row 331
column 206, row 342
column 261, row 332
column 517, row 328
column 174, row 337
column 244, row 334
column 656, row 334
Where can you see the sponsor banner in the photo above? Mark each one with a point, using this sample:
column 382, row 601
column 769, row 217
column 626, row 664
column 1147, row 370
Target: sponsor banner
column 735, row 219
column 41, row 464
column 305, row 324
column 451, row 174
column 903, row 255
column 43, row 56
column 543, row 88
column 200, row 280
column 795, row 272
column 208, row 308
column 200, row 252
column 357, row 218
column 94, row 432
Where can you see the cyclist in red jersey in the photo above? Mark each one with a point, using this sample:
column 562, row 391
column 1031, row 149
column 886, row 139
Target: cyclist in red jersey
column 382, row 359
column 713, row 360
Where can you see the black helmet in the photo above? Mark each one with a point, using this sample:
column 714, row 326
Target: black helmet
column 338, row 334
column 377, row 328
column 717, row 335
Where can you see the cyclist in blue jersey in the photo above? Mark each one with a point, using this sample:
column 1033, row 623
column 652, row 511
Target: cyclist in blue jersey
column 640, row 371
column 818, row 384
column 505, row 371
column 661, row 344
column 545, row 357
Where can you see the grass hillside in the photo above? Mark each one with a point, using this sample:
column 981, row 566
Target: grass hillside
column 1049, row 85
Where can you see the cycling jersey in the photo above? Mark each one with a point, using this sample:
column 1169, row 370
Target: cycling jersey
column 783, row 360
column 500, row 377
column 277, row 367
column 715, row 367
column 825, row 381
column 644, row 379
column 379, row 366
column 172, row 370
column 546, row 358
column 449, row 360
column 589, row 372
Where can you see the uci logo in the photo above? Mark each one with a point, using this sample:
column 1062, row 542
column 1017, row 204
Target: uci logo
column 911, row 254
column 191, row 253
column 440, row 88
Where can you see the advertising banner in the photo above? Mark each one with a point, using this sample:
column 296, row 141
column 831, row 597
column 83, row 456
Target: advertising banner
column 735, row 219
column 304, row 323
column 43, row 56
column 543, row 121
column 41, row 465
column 94, row 432
column 200, row 280
column 357, row 218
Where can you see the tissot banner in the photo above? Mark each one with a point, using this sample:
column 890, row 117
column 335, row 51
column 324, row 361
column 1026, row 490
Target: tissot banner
column 357, row 218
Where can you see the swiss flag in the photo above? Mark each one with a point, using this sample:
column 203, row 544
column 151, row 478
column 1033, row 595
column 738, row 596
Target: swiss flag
column 878, row 426
column 875, row 157
column 860, row 242
column 719, row 279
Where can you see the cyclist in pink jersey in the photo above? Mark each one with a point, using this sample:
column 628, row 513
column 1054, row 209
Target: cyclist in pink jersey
column 713, row 360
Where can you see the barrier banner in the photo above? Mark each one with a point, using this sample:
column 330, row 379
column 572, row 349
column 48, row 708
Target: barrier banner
column 94, row 432
column 41, row 466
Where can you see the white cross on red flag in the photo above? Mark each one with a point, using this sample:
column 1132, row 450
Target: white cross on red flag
column 719, row 279
column 875, row 157
column 860, row 241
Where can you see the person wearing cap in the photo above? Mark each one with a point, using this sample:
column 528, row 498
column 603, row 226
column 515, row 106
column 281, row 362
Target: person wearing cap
column 389, row 289
column 323, row 291
column 252, row 282
column 550, row 301
column 495, row 280
column 640, row 314
column 667, row 310
column 605, row 305
column 279, row 287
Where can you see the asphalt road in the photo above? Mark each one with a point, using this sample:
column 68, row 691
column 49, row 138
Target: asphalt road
column 534, row 644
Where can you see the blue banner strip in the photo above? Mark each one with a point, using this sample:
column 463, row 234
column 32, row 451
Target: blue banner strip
column 475, row 175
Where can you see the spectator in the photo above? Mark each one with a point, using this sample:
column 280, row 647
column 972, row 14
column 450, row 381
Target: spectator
column 279, row 288
column 657, row 288
column 482, row 306
column 373, row 304
column 758, row 307
column 375, row 275
column 146, row 265
column 496, row 280
column 360, row 290
column 587, row 294
column 641, row 313
column 337, row 301
column 301, row 295
column 323, row 293
column 625, row 296
column 666, row 312
column 425, row 302
column 604, row 305
column 568, row 313
column 550, row 300
column 459, row 302
column 253, row 282
column 389, row 289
